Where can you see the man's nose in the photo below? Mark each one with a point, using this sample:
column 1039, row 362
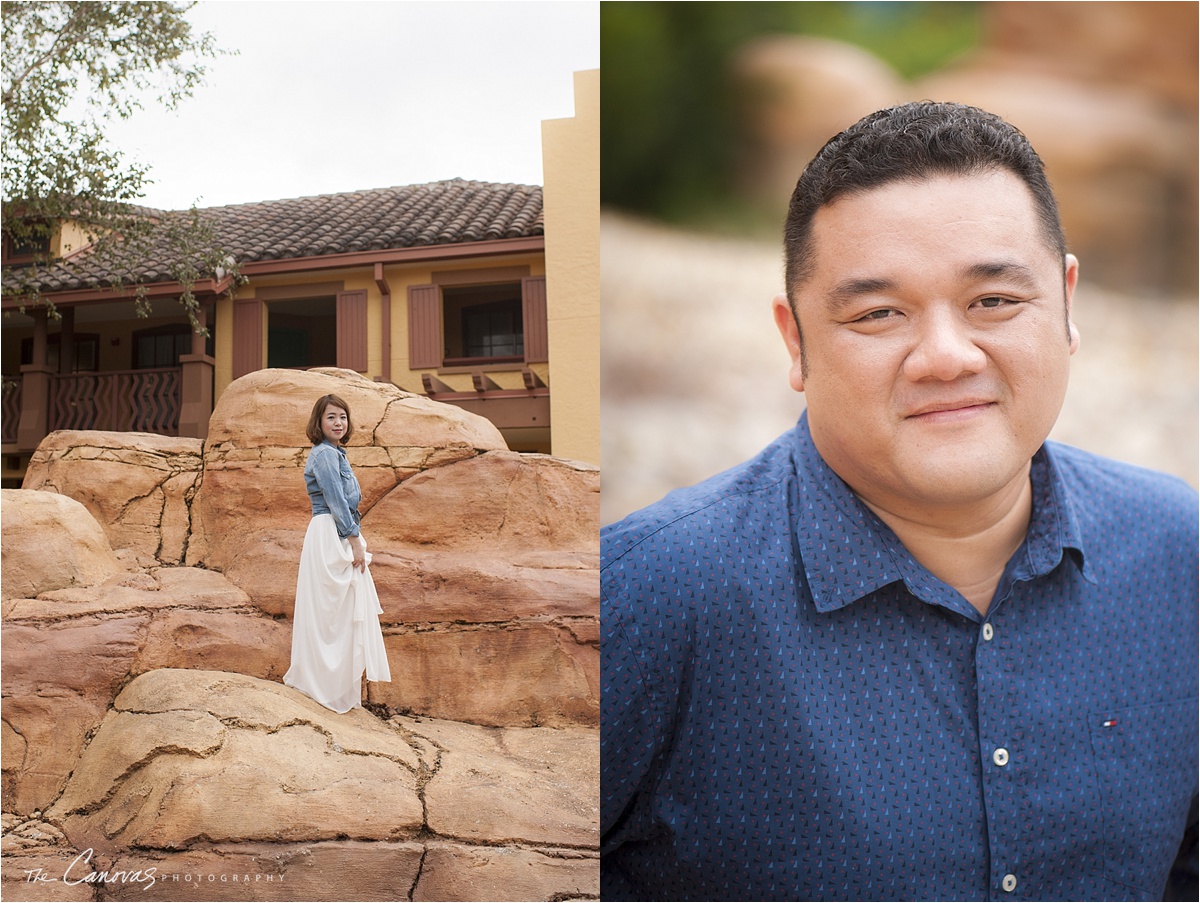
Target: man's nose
column 945, row 348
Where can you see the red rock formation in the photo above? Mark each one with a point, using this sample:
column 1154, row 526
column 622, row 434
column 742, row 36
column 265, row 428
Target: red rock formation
column 51, row 542
column 138, row 486
column 145, row 731
column 217, row 774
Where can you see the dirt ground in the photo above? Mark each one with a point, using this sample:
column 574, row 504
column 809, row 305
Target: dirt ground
column 694, row 374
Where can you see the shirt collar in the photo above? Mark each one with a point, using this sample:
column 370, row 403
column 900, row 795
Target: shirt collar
column 1055, row 526
column 848, row 552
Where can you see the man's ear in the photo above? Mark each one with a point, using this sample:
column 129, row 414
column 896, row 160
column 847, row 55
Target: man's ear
column 1070, row 280
column 785, row 322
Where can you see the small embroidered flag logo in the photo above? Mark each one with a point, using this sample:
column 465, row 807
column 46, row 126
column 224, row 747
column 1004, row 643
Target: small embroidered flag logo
column 1109, row 723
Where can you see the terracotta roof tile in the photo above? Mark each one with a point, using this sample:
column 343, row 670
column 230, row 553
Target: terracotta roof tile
column 449, row 212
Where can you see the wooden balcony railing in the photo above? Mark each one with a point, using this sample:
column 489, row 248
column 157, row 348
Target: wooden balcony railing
column 10, row 409
column 143, row 401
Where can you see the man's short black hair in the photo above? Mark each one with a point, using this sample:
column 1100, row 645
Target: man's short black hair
column 909, row 143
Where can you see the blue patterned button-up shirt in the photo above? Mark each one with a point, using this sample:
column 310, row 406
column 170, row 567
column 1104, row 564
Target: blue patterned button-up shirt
column 794, row 709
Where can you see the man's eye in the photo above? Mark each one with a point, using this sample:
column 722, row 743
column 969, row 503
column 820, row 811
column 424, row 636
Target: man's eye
column 994, row 302
column 882, row 314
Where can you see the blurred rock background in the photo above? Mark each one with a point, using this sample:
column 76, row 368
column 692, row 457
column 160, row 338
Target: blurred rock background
column 710, row 112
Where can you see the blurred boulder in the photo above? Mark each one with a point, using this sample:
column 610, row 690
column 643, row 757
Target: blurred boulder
column 795, row 92
column 1106, row 93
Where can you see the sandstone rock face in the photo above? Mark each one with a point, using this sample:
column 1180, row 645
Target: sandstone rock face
column 186, row 755
column 221, row 780
column 256, row 447
column 501, row 504
column 479, row 552
column 481, row 771
column 36, row 857
column 489, row 582
column 51, row 542
column 138, row 486
column 512, row 674
column 149, row 750
column 344, row 870
column 486, row 561
column 58, row 681
column 271, row 408
column 67, row 653
column 456, row 872
column 497, row 537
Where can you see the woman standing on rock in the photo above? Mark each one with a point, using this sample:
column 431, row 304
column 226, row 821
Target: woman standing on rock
column 335, row 626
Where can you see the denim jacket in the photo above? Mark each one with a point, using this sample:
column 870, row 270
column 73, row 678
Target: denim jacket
column 332, row 487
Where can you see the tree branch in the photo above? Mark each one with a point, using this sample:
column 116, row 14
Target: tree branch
column 76, row 11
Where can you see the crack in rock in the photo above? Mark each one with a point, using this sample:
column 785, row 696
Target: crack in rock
column 118, row 782
column 331, row 741
column 417, row 878
column 426, row 772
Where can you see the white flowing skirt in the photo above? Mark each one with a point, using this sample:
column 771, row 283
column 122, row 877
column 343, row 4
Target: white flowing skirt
column 335, row 627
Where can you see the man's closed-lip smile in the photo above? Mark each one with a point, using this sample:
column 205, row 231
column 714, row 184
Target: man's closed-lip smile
column 942, row 411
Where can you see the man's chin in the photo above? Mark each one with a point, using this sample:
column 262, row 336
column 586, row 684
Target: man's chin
column 960, row 478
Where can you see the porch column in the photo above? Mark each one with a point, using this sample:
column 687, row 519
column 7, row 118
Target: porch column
column 35, row 389
column 196, row 393
column 66, row 340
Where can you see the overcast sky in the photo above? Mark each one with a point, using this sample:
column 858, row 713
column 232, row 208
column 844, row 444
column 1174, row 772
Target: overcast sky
column 337, row 96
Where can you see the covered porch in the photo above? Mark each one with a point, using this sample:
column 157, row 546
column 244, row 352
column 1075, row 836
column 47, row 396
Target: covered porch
column 98, row 366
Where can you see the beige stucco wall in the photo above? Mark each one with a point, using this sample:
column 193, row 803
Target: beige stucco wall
column 69, row 238
column 222, row 346
column 571, row 173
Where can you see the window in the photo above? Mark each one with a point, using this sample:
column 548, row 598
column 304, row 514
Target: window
column 23, row 249
column 87, row 352
column 493, row 330
column 161, row 346
column 457, row 323
column 482, row 324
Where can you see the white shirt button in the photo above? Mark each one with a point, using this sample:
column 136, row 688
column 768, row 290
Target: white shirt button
column 987, row 631
column 1000, row 757
column 1009, row 883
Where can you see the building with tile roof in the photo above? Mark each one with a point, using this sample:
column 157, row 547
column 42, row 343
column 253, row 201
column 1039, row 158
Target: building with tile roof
column 439, row 288
column 326, row 226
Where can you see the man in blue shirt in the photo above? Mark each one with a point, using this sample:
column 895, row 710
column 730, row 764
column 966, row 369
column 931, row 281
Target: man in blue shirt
column 911, row 650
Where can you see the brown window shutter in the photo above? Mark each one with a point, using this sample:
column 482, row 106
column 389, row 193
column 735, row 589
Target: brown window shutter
column 352, row 330
column 424, row 326
column 247, row 336
column 533, row 313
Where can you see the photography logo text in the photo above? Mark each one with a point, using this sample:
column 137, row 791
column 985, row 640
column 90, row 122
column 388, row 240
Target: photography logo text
column 80, row 871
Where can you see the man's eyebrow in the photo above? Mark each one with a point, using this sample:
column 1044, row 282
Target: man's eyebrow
column 1000, row 269
column 849, row 290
